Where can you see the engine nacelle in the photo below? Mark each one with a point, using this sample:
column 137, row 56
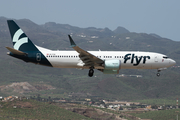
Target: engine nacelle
column 112, row 66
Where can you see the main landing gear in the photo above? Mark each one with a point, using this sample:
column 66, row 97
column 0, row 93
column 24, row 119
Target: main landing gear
column 91, row 72
column 158, row 74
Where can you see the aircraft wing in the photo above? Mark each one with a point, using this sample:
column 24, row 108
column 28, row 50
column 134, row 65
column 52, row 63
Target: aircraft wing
column 87, row 58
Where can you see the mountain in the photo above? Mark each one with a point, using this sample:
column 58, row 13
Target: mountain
column 121, row 30
column 76, row 82
column 83, row 32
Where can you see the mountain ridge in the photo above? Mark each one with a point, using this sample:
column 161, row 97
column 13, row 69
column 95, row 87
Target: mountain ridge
column 77, row 81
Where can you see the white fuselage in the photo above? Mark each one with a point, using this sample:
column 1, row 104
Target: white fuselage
column 129, row 59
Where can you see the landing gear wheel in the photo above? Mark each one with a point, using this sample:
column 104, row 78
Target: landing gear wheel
column 91, row 72
column 158, row 74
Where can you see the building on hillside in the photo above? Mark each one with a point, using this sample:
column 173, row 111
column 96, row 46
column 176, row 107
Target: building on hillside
column 1, row 98
column 160, row 108
column 128, row 104
column 87, row 99
column 148, row 107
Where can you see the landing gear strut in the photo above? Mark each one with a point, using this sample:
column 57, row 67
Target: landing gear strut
column 91, row 72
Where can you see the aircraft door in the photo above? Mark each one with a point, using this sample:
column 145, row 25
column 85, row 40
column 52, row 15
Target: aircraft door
column 156, row 58
column 38, row 56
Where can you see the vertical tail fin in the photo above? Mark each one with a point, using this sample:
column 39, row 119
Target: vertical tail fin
column 20, row 40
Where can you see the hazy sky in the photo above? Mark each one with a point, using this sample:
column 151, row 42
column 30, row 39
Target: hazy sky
column 142, row 16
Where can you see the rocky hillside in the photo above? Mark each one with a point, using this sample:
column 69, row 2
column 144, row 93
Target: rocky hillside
column 66, row 81
column 24, row 87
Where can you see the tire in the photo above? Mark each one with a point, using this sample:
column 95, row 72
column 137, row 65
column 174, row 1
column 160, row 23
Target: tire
column 91, row 72
column 158, row 74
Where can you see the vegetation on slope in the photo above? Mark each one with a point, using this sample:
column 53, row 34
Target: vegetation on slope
column 159, row 115
column 66, row 81
column 31, row 109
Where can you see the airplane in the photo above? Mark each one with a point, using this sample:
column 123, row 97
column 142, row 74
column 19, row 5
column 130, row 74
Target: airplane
column 108, row 62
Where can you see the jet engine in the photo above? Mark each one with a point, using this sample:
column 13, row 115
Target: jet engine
column 112, row 66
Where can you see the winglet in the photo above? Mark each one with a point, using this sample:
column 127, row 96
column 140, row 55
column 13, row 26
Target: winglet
column 71, row 41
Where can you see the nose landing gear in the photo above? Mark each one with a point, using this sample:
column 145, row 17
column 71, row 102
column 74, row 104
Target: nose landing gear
column 158, row 74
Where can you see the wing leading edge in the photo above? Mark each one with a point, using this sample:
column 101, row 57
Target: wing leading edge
column 88, row 59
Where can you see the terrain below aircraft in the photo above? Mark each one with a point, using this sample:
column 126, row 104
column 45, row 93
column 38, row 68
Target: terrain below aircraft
column 108, row 62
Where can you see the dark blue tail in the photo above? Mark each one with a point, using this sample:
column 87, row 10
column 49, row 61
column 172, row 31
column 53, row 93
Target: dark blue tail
column 24, row 49
column 20, row 41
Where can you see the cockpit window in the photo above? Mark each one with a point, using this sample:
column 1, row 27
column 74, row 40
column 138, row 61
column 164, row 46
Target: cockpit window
column 165, row 57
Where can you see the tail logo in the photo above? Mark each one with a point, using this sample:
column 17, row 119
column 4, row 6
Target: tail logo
column 19, row 42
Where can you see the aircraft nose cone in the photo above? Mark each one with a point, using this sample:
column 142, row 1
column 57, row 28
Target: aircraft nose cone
column 172, row 62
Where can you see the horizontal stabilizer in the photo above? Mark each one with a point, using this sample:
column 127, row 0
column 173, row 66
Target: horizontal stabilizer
column 17, row 52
